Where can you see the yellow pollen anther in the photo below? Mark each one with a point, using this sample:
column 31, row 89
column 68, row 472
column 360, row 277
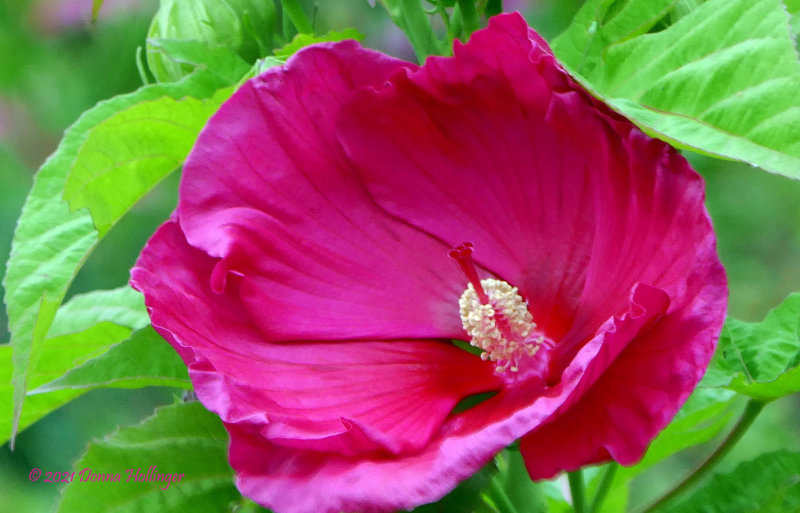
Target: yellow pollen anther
column 502, row 327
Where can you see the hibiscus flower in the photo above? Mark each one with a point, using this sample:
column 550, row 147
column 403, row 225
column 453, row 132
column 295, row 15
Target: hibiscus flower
column 345, row 217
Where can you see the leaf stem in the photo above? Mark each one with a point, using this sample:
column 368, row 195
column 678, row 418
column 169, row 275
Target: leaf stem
column 603, row 488
column 750, row 413
column 292, row 9
column 577, row 491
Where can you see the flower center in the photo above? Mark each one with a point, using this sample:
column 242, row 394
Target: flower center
column 495, row 316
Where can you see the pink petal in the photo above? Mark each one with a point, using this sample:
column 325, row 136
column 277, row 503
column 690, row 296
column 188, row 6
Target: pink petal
column 292, row 480
column 345, row 397
column 322, row 201
column 268, row 189
column 561, row 198
column 641, row 391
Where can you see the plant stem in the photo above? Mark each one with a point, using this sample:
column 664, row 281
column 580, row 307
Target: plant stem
column 502, row 496
column 750, row 413
column 418, row 28
column 469, row 17
column 96, row 5
column 603, row 488
column 576, row 489
column 292, row 9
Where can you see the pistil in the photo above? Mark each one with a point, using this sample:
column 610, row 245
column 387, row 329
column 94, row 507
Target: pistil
column 462, row 254
column 495, row 316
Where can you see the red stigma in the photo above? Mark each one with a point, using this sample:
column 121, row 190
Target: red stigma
column 462, row 254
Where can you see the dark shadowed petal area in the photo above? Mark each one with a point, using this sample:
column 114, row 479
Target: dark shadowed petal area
column 346, row 397
column 268, row 189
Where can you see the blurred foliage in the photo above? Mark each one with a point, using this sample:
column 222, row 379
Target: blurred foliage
column 757, row 220
column 50, row 73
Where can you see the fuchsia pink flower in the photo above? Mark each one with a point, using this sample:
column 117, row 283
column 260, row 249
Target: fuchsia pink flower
column 316, row 273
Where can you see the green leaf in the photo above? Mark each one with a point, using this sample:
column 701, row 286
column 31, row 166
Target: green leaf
column 67, row 351
column 129, row 153
column 682, row 8
column 58, row 354
column 601, row 23
column 761, row 360
column 183, row 440
column 200, row 54
column 294, row 12
column 466, row 497
column 123, row 306
column 722, row 79
column 144, row 359
column 793, row 7
column 51, row 242
column 512, row 491
column 767, row 484
column 302, row 40
column 82, row 329
column 704, row 416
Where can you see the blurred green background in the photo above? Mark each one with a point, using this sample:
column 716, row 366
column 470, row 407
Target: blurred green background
column 54, row 65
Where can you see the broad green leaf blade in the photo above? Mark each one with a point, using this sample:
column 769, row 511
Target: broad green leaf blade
column 200, row 54
column 51, row 242
column 144, row 359
column 722, row 79
column 767, row 484
column 68, row 351
column 123, row 306
column 184, row 441
column 58, row 354
column 303, row 40
column 126, row 155
column 81, row 330
column 601, row 23
column 761, row 360
column 787, row 383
